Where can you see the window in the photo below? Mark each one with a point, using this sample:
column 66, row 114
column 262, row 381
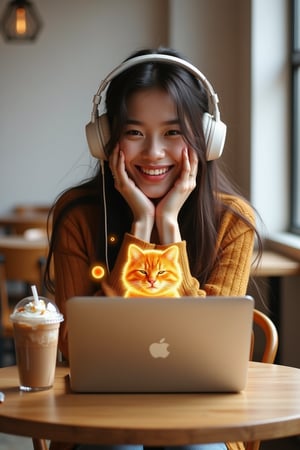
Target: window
column 295, row 216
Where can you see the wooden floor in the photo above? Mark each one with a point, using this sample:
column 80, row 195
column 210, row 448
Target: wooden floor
column 15, row 442
column 292, row 443
column 18, row 443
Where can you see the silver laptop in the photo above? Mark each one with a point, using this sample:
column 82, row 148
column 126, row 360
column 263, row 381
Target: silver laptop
column 159, row 345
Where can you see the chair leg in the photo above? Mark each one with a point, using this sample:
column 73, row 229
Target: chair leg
column 39, row 444
column 255, row 445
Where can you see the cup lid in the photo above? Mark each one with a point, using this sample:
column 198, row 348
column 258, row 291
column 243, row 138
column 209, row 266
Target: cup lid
column 30, row 311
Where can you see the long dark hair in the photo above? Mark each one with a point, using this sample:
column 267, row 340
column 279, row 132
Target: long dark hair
column 200, row 216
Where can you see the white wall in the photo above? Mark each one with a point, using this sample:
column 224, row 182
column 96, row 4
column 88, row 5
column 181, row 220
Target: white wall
column 47, row 89
column 218, row 41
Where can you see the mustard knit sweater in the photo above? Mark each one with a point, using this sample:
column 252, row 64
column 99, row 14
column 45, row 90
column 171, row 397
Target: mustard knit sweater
column 75, row 254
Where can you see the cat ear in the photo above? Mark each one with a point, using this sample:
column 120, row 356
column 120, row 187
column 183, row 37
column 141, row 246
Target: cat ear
column 171, row 253
column 134, row 252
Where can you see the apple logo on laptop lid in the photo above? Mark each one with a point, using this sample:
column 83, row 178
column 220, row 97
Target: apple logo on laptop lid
column 159, row 349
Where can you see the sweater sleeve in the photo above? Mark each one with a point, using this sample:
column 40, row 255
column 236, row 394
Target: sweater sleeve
column 190, row 285
column 71, row 269
column 73, row 255
column 230, row 275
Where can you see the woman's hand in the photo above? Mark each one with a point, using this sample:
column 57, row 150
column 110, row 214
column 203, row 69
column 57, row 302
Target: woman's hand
column 142, row 208
column 167, row 210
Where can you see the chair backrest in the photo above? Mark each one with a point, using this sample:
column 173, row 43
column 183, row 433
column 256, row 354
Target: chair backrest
column 32, row 208
column 264, row 324
column 23, row 217
column 23, row 222
column 23, row 261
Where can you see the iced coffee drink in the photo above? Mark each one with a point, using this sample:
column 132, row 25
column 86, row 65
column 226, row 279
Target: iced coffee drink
column 36, row 326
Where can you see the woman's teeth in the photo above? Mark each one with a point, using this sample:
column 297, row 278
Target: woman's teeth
column 154, row 171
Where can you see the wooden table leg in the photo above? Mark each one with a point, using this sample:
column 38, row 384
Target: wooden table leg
column 39, row 444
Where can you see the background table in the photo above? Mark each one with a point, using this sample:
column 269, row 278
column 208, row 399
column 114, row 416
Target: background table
column 275, row 266
column 19, row 241
column 17, row 223
column 269, row 408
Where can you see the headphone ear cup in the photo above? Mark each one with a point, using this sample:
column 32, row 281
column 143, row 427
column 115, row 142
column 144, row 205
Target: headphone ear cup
column 98, row 134
column 214, row 134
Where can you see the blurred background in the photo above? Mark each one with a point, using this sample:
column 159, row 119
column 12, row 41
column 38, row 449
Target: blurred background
column 47, row 86
column 242, row 47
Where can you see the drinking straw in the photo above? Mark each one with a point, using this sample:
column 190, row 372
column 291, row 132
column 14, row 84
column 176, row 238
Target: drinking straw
column 35, row 295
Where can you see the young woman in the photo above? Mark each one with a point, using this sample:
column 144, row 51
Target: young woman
column 159, row 187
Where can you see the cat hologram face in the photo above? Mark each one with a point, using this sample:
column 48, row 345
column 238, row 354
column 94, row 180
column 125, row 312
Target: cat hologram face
column 152, row 272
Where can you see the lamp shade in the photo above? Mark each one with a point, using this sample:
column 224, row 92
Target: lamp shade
column 20, row 21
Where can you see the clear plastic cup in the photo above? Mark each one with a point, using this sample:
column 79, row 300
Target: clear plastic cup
column 36, row 326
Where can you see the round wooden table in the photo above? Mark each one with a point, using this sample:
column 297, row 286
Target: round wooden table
column 17, row 223
column 21, row 242
column 269, row 408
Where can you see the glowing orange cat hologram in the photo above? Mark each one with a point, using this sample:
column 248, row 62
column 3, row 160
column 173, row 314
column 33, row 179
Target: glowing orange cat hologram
column 152, row 273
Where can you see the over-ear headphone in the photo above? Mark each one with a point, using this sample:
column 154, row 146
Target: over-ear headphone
column 97, row 130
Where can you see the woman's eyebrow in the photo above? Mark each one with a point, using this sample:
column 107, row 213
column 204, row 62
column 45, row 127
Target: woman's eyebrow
column 138, row 122
column 133, row 122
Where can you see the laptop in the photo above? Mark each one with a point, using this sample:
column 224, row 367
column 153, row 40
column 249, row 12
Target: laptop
column 159, row 345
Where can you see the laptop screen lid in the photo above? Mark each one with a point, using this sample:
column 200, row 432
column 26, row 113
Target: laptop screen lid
column 187, row 344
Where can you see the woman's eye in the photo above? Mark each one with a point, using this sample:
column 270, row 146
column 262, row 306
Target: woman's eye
column 173, row 133
column 133, row 133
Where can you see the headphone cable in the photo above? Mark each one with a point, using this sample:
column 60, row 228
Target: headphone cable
column 105, row 215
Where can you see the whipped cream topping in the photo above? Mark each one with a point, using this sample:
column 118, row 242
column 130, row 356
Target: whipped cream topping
column 38, row 311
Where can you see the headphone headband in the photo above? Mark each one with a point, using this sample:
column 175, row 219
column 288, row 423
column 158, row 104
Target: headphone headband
column 98, row 130
column 153, row 57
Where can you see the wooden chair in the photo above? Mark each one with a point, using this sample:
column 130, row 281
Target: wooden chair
column 39, row 444
column 17, row 224
column 20, row 260
column 32, row 208
column 23, row 217
column 263, row 323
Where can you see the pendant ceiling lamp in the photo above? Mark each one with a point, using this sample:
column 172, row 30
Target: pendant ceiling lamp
column 20, row 21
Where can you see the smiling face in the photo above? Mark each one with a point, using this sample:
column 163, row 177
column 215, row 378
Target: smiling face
column 152, row 142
